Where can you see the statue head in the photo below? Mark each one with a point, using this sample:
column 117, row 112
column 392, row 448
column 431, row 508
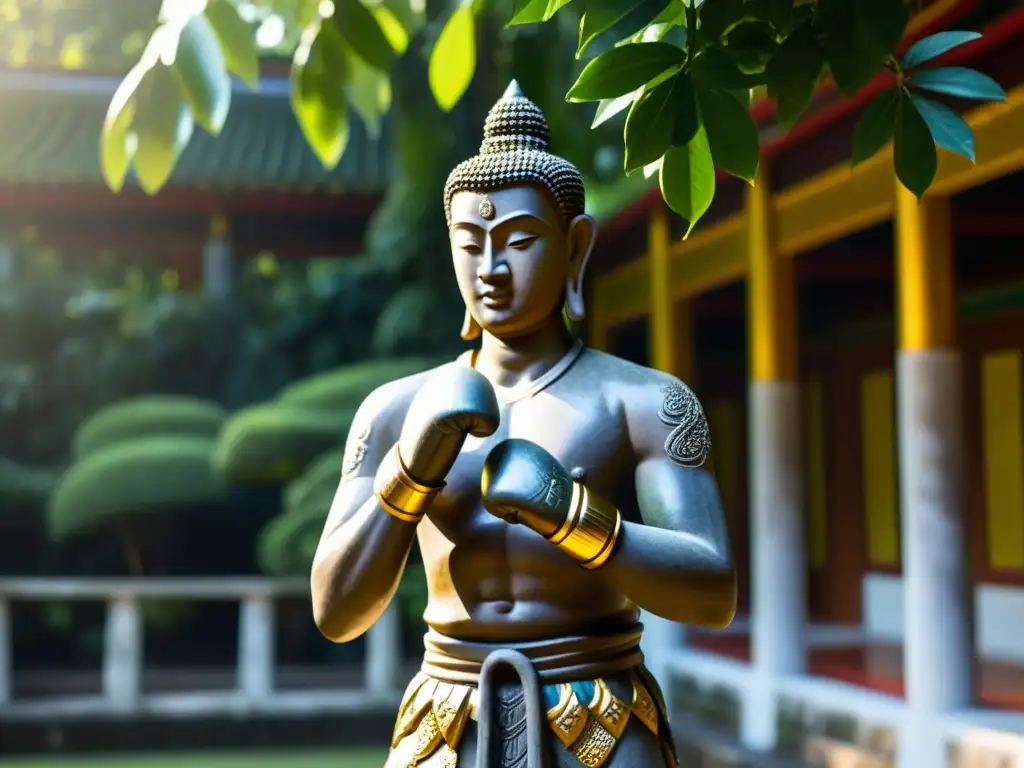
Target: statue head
column 520, row 238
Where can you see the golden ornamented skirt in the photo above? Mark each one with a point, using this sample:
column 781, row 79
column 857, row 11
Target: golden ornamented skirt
column 585, row 716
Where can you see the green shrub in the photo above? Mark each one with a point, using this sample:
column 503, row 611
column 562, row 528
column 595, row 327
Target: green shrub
column 271, row 444
column 147, row 416
column 321, row 477
column 285, row 546
column 25, row 484
column 133, row 477
column 346, row 388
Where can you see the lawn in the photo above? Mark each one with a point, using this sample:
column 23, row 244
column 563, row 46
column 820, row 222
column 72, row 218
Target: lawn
column 347, row 759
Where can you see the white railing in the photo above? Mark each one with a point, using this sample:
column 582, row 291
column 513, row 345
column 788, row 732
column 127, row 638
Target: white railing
column 254, row 690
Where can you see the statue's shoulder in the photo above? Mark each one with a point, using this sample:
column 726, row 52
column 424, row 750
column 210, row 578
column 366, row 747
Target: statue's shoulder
column 386, row 406
column 661, row 411
column 635, row 385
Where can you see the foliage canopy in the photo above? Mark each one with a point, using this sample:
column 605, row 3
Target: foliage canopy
column 682, row 70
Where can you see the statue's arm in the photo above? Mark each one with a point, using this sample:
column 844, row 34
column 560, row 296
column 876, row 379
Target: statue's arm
column 678, row 562
column 363, row 549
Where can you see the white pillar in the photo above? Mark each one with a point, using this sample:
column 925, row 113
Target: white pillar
column 937, row 615
column 218, row 259
column 937, row 653
column 778, row 574
column 384, row 653
column 256, row 649
column 6, row 669
column 661, row 638
column 122, row 655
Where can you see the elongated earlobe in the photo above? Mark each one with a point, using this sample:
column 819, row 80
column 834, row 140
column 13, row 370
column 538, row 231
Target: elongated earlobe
column 582, row 236
column 470, row 327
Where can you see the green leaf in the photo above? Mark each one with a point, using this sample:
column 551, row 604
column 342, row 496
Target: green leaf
column 609, row 108
column 669, row 20
column 621, row 70
column 368, row 91
column 237, row 41
column 651, row 121
column 859, row 36
column 687, row 115
column 934, row 46
column 453, row 60
column 319, row 72
column 687, row 179
column 202, row 74
column 717, row 16
column 117, row 144
column 732, row 134
column 392, row 27
column 162, row 126
column 875, row 126
column 411, row 16
column 949, row 130
column 714, row 68
column 359, row 28
column 778, row 13
column 533, row 11
column 751, row 44
column 602, row 15
column 793, row 73
column 914, row 148
column 959, row 81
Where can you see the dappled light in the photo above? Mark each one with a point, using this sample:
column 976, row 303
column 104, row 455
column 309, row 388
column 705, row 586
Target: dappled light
column 511, row 383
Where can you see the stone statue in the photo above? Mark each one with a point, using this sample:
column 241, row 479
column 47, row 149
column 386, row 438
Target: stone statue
column 554, row 491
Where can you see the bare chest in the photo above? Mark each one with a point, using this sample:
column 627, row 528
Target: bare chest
column 581, row 433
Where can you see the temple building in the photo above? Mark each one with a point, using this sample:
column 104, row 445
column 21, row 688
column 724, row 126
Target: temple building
column 861, row 360
column 257, row 187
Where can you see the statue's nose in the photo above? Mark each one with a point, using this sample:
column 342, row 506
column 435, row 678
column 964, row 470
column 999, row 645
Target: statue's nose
column 492, row 265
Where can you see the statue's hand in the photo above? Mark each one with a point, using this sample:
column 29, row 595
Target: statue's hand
column 454, row 402
column 523, row 483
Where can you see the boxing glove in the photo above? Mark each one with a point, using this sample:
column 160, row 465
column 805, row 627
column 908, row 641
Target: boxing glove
column 454, row 402
column 524, row 484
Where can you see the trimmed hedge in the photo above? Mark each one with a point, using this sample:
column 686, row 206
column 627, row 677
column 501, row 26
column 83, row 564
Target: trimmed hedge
column 25, row 484
column 273, row 443
column 321, row 477
column 346, row 388
column 147, row 416
column 285, row 546
column 133, row 477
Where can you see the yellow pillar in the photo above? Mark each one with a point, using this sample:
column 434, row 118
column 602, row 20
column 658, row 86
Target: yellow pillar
column 937, row 656
column 925, row 272
column 671, row 321
column 771, row 293
column 778, row 556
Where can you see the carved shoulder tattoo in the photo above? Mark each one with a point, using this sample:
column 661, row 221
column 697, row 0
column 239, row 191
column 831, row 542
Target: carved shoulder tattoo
column 689, row 442
column 355, row 450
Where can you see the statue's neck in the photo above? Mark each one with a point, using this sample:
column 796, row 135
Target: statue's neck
column 514, row 362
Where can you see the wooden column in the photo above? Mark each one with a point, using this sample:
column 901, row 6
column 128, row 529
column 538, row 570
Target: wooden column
column 937, row 653
column 778, row 572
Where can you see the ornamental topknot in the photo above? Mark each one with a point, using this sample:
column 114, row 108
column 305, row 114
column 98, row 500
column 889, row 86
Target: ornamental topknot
column 515, row 150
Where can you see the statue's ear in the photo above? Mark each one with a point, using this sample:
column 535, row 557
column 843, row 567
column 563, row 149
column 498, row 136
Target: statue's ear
column 582, row 236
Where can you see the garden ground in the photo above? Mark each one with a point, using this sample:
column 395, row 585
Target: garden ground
column 360, row 759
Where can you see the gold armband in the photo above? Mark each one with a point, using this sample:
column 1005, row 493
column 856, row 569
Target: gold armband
column 399, row 494
column 590, row 530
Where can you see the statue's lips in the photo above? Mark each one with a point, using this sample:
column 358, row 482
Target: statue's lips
column 496, row 299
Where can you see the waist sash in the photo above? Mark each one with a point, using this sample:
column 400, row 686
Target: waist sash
column 561, row 660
